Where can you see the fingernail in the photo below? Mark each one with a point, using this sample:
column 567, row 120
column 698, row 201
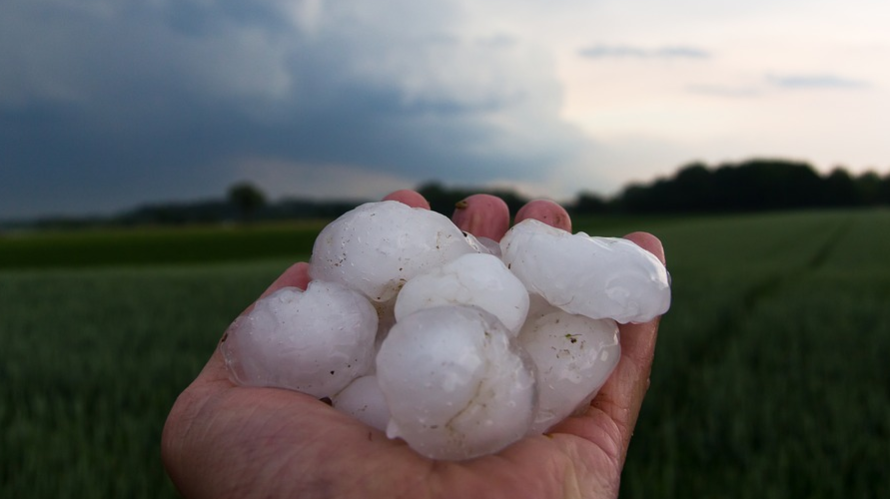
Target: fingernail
column 546, row 211
column 409, row 197
column 482, row 215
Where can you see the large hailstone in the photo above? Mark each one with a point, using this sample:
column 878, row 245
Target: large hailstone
column 600, row 277
column 474, row 279
column 377, row 247
column 314, row 341
column 456, row 385
column 574, row 356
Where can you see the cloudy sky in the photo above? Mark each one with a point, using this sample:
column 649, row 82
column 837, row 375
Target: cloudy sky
column 106, row 104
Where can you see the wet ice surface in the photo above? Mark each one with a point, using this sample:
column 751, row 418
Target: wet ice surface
column 600, row 277
column 574, row 356
column 456, row 385
column 314, row 342
column 459, row 346
column 475, row 279
column 377, row 247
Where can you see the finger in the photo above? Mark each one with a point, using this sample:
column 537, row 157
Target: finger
column 297, row 275
column 546, row 211
column 409, row 197
column 622, row 395
column 482, row 215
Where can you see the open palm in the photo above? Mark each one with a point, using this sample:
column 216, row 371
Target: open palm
column 223, row 440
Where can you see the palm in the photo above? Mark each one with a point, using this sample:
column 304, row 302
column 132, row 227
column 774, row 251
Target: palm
column 298, row 444
column 222, row 440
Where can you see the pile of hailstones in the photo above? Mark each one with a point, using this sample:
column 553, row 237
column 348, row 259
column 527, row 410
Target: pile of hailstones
column 458, row 345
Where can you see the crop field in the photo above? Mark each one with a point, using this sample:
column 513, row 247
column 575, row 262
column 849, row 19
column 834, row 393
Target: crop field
column 771, row 377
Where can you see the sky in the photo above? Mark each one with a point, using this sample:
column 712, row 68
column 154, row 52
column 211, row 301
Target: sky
column 110, row 104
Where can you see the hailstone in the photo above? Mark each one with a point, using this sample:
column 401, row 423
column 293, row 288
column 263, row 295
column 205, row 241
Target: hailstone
column 314, row 341
column 600, row 277
column 483, row 245
column 574, row 356
column 363, row 400
column 456, row 385
column 474, row 279
column 377, row 247
column 458, row 345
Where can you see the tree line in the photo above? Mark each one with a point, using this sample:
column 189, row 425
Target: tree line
column 753, row 185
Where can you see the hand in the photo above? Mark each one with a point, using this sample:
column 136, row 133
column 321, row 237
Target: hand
column 223, row 440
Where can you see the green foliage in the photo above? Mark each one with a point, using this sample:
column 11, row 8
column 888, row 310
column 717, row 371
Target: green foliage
column 755, row 185
column 770, row 378
column 247, row 198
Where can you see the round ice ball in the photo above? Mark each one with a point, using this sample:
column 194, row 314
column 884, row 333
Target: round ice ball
column 456, row 385
column 363, row 400
column 314, row 342
column 574, row 356
column 377, row 247
column 474, row 279
column 600, row 277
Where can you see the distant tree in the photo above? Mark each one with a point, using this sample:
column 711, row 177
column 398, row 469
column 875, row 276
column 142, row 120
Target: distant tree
column 868, row 185
column 693, row 189
column 841, row 189
column 247, row 198
column 883, row 195
column 441, row 200
column 588, row 203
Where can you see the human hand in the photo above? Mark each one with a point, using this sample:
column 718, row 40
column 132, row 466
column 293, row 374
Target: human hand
column 223, row 440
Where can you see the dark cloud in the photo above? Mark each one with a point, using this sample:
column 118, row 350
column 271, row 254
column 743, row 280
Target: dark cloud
column 106, row 104
column 601, row 51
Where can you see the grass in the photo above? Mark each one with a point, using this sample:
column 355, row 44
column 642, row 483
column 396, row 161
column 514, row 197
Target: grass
column 160, row 245
column 770, row 377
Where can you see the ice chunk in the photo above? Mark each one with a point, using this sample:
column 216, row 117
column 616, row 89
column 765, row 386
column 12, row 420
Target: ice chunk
column 484, row 245
column 363, row 400
column 600, row 277
column 314, row 342
column 474, row 279
column 574, row 356
column 377, row 247
column 456, row 385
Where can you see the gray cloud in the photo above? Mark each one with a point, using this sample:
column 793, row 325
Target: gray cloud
column 108, row 103
column 602, row 51
column 820, row 80
column 724, row 90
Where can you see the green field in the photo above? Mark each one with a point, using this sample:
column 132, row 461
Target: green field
column 771, row 376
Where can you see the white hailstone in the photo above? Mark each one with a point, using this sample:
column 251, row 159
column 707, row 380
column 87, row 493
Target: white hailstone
column 600, row 277
column 483, row 245
column 363, row 400
column 473, row 279
column 377, row 247
column 314, row 341
column 456, row 385
column 574, row 356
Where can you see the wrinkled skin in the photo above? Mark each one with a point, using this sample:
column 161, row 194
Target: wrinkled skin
column 226, row 441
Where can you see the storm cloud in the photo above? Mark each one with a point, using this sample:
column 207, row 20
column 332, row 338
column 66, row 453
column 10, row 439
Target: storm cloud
column 104, row 103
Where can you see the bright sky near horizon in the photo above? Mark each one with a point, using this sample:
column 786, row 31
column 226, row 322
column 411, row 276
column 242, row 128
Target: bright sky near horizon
column 107, row 104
